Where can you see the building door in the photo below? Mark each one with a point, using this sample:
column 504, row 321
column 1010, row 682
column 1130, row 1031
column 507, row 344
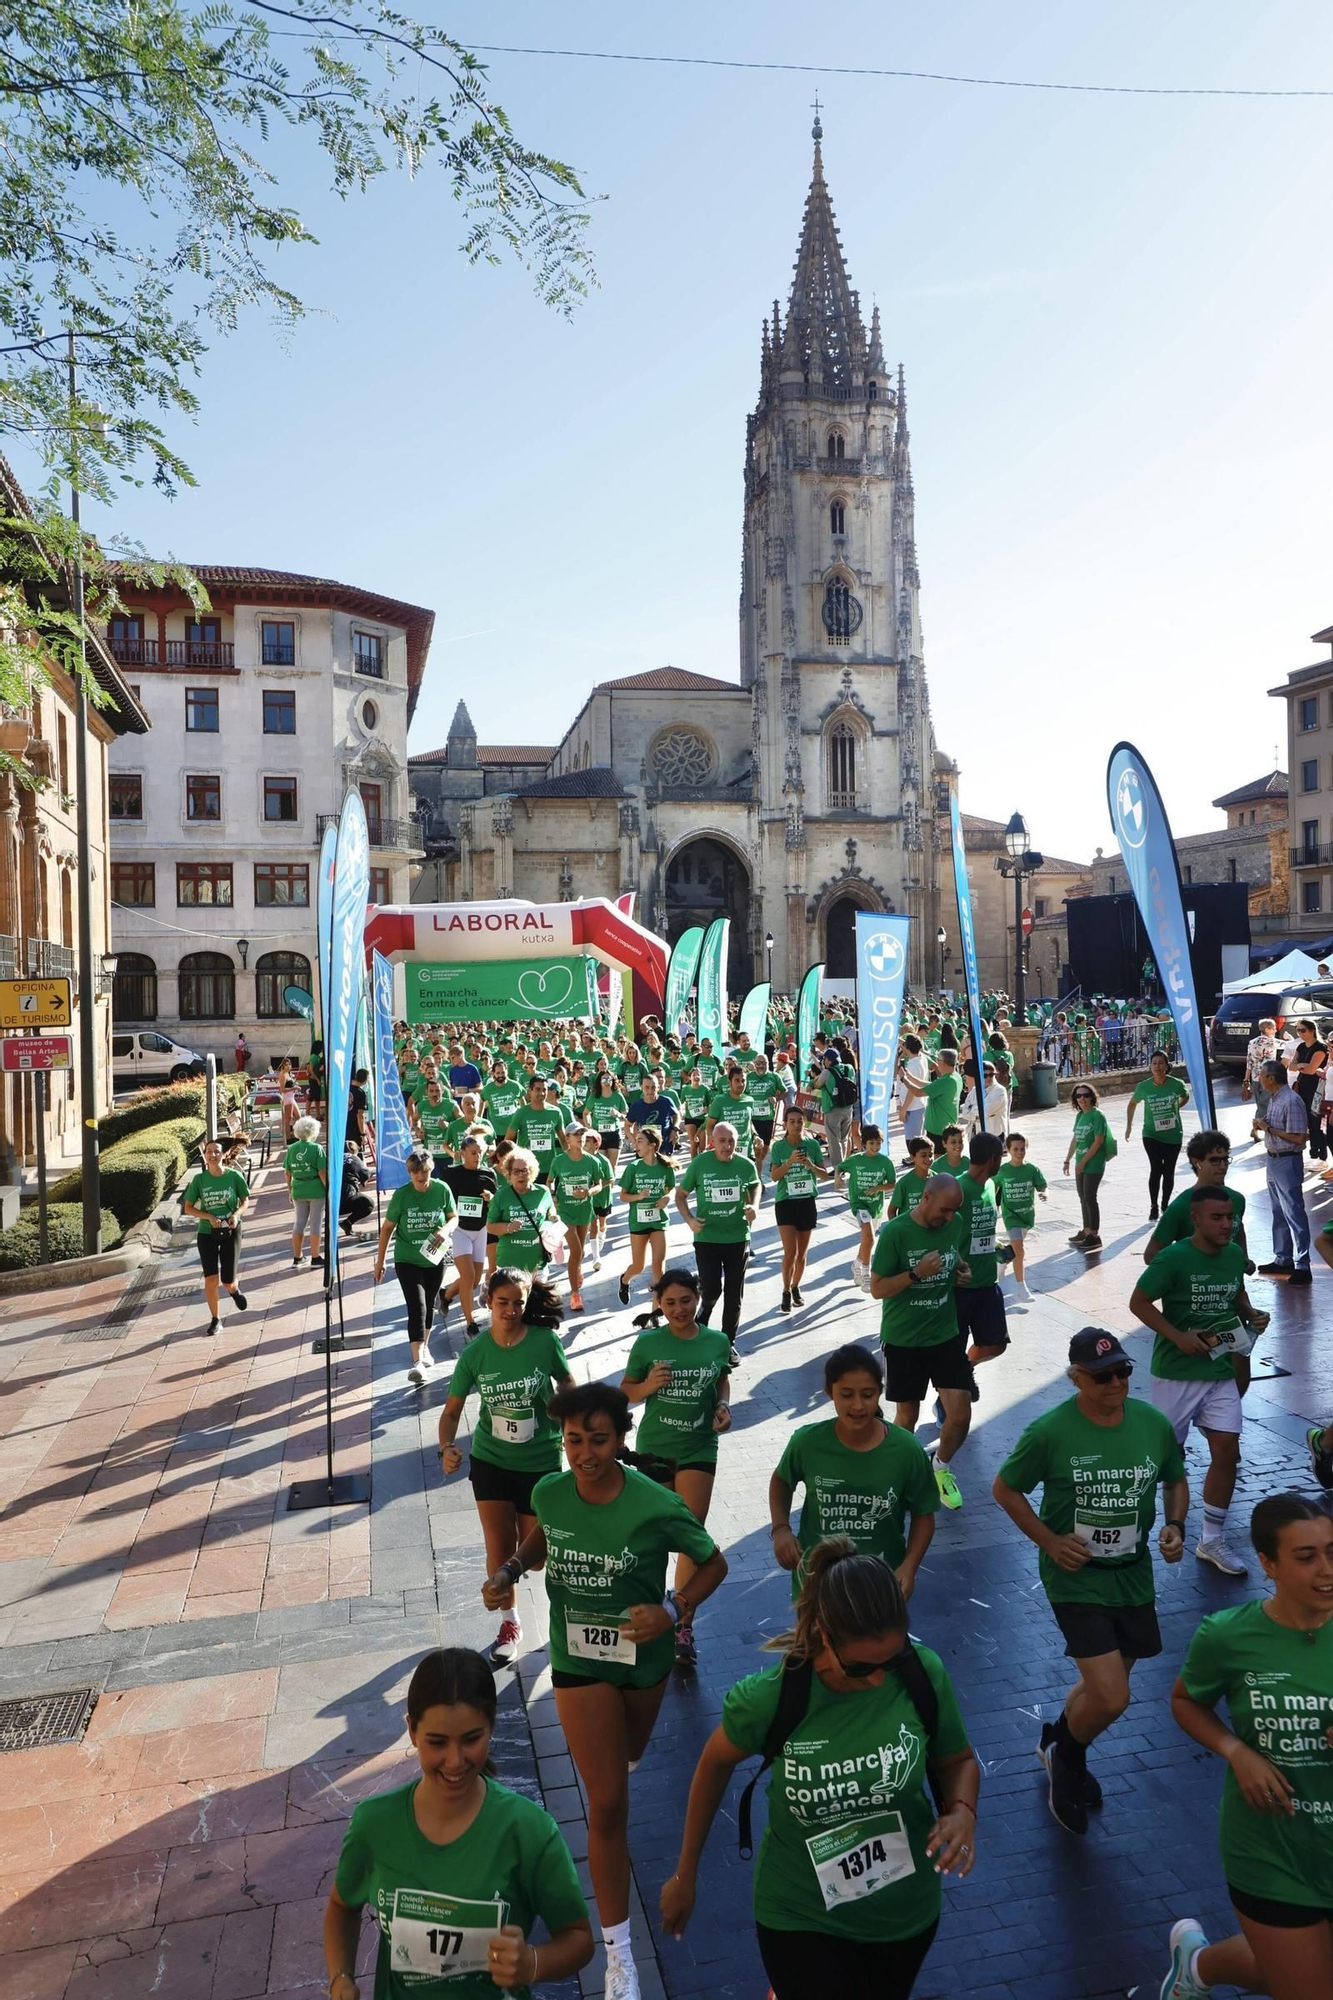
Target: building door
column 705, row 880
column 840, row 939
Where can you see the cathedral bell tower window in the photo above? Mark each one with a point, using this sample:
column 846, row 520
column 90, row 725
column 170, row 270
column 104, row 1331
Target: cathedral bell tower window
column 837, row 515
column 837, row 445
column 841, row 747
column 842, row 612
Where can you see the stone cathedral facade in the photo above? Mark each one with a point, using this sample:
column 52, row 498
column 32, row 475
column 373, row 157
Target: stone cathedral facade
column 806, row 791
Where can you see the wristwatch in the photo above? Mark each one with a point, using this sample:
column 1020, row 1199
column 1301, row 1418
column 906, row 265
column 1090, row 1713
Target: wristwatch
column 1175, row 1524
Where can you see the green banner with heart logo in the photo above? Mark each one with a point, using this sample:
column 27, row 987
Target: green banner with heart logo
column 555, row 989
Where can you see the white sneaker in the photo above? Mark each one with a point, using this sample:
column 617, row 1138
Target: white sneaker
column 415, row 1375
column 622, row 1978
column 508, row 1640
column 860, row 1275
column 1021, row 1289
column 597, row 1263
column 1215, row 1551
column 1187, row 1937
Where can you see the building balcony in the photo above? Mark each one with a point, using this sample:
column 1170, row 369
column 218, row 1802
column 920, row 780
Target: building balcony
column 1313, row 856
column 206, row 653
column 399, row 836
column 840, row 468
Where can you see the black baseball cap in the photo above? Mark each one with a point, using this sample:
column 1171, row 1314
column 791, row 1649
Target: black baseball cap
column 1093, row 1348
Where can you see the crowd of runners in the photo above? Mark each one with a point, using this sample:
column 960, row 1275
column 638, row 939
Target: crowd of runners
column 529, row 1141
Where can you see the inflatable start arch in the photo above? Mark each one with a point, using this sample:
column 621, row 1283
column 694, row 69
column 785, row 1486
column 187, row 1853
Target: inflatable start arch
column 471, row 933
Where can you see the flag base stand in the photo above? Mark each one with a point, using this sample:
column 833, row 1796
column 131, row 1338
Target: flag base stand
column 346, row 1489
column 342, row 1343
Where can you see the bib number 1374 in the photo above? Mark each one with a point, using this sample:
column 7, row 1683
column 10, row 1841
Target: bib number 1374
column 855, row 1860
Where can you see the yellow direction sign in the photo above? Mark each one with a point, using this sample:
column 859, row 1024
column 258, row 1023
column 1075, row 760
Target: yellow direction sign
column 35, row 1003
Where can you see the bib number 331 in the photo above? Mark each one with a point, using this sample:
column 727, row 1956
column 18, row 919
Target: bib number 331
column 442, row 1937
column 859, row 1858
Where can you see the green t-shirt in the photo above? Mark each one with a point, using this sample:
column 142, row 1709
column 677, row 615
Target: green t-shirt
column 943, row 1096
column 1017, row 1189
column 737, row 1111
column 849, row 1783
column 979, row 1217
column 709, row 1068
column 524, row 1249
column 1197, row 1290
column 631, row 1077
column 510, row 1866
column 1099, row 1482
column 907, row 1193
column 868, row 1174
column 607, row 1113
column 218, row 1195
column 924, row 1314
column 651, row 1181
column 798, row 1183
column 1161, row 1109
column 539, row 1131
column 765, row 1087
column 677, row 1421
column 1177, row 1221
column 865, row 1495
column 514, row 1384
column 1278, row 1687
column 436, row 1121
column 410, row 1078
column 830, row 1078
column 305, row 1160
column 502, row 1100
column 1088, row 1126
column 418, row 1213
column 604, row 1180
column 694, row 1099
column 458, row 1129
column 602, row 1559
column 573, row 1182
column 721, row 1190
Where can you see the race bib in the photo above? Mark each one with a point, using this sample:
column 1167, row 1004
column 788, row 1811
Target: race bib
column 797, row 1185
column 859, row 1858
column 722, row 1194
column 646, row 1217
column 437, row 1246
column 513, row 1426
column 470, row 1207
column 983, row 1242
column 1233, row 1339
column 1165, row 1117
column 442, row 1937
column 590, row 1641
column 1106, row 1535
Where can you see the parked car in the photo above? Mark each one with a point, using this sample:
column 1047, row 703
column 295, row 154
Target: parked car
column 141, row 1055
column 1238, row 1018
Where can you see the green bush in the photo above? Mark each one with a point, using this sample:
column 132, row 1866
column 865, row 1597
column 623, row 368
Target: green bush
column 165, row 1102
column 139, row 1171
column 18, row 1246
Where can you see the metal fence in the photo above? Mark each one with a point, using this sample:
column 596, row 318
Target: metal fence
column 1116, row 1045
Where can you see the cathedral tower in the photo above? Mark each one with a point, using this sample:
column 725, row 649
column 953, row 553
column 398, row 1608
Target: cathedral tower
column 829, row 623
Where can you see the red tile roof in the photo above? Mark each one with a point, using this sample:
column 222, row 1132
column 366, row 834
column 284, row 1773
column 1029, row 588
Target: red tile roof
column 493, row 753
column 666, row 680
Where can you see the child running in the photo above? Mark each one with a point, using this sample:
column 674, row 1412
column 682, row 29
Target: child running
column 602, row 1196
column 867, row 1174
column 1018, row 1184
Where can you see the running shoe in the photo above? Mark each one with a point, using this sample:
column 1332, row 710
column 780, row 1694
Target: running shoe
column 860, row 1275
column 1021, row 1290
column 1091, row 1243
column 1321, row 1459
column 471, row 1328
column 1217, row 1552
column 1079, row 1239
column 687, row 1653
column 416, row 1374
column 1276, row 1270
column 597, row 1262
column 1187, row 1937
column 296, row 1263
column 1302, row 1275
column 1064, row 1793
column 315, row 1261
column 623, row 1289
column 239, row 1300
column 215, row 1326
column 1088, row 1785
column 508, row 1639
column 796, row 1298
column 786, row 1303
column 733, row 1357
column 948, row 1487
column 441, row 1311
column 576, row 1302
column 622, row 1978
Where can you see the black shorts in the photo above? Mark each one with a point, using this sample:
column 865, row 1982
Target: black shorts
column 1091, row 1630
column 763, row 1129
column 501, row 1482
column 981, row 1315
column 910, row 1371
column 693, row 1124
column 217, row 1252
column 801, row 1213
column 561, row 1679
column 1282, row 1916
column 663, row 1470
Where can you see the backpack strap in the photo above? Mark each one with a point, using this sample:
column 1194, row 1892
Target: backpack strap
column 793, row 1701
column 920, row 1691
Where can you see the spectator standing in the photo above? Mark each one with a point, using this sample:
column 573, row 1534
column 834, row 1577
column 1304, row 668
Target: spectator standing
column 1305, row 1069
column 1261, row 1048
column 1286, row 1133
column 242, row 1053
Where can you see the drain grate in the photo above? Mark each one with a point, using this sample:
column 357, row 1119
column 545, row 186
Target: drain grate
column 32, row 1723
column 93, row 1333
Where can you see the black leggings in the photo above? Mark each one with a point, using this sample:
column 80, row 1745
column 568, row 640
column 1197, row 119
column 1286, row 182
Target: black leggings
column 1162, row 1157
column 420, row 1283
column 799, row 1963
column 1089, row 1185
column 721, row 1268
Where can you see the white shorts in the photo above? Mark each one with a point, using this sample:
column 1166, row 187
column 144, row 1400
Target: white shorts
column 1016, row 1234
column 1213, row 1406
column 470, row 1243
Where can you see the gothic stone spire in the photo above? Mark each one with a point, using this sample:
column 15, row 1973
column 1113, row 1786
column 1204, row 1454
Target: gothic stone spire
column 825, row 334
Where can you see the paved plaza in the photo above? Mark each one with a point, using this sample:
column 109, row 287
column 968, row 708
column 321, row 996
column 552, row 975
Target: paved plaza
column 250, row 1663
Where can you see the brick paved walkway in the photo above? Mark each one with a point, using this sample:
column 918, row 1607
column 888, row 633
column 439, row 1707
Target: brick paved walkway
column 252, row 1662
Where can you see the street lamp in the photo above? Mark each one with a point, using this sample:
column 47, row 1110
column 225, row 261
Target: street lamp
column 940, row 935
column 243, row 946
column 1021, row 861
column 768, row 948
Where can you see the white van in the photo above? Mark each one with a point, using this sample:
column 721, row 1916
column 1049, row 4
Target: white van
column 141, row 1055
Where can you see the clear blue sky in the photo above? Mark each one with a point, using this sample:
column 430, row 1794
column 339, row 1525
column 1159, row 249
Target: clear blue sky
column 1115, row 313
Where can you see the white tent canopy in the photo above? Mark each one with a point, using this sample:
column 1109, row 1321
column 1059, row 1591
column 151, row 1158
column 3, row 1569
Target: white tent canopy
column 1296, row 969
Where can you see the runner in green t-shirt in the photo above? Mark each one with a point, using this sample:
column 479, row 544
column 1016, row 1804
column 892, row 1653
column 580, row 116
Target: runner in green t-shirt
column 573, row 1181
column 978, row 1300
column 306, row 1165
column 1162, row 1096
column 456, row 1867
column 769, row 1093
column 867, row 1174
column 1209, row 1155
column 727, row 1190
column 736, row 1105
column 678, row 1372
column 217, row 1197
column 907, row 1189
column 604, row 1113
column 1272, row 1663
column 537, row 1126
column 1018, row 1183
column 603, row 1195
column 434, row 1114
column 1090, row 1146
column 514, row 1365
column 863, row 1478
column 694, row 1098
column 795, row 1164
column 520, row 1210
column 418, row 1223
column 1099, row 1458
column 646, row 1182
column 605, row 1532
column 918, row 1261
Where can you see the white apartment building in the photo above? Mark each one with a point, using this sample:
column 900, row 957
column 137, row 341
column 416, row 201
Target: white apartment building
column 263, row 712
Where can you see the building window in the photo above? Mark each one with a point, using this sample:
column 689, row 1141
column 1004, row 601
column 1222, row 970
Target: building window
column 201, row 709
column 370, row 715
column 872, row 391
column 126, row 795
column 1039, row 907
column 1188, row 872
column 274, row 971
column 125, row 636
column 380, row 887
column 62, row 752
column 837, row 517
column 134, row 883
column 282, row 883
column 1308, row 712
column 842, row 611
column 203, row 796
column 66, row 909
column 279, row 712
column 279, row 798
column 1311, row 900
column 1309, row 775
column 1231, row 870
column 1111, row 887
column 1310, row 838
column 841, row 767
column 368, row 654
column 203, row 643
column 837, row 445
column 277, row 642
column 134, row 988
column 372, row 798
column 203, row 883
column 207, row 987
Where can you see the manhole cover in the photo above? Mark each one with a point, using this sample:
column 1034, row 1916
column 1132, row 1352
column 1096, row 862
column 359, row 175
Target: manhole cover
column 48, row 1718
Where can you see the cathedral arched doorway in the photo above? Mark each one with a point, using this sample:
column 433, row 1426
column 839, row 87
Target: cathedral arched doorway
column 840, row 939
column 706, row 879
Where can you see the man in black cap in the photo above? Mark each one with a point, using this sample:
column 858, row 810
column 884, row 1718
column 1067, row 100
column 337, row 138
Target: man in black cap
column 1099, row 1458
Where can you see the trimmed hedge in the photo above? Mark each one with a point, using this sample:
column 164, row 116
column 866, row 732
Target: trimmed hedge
column 140, row 1170
column 18, row 1246
column 167, row 1101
